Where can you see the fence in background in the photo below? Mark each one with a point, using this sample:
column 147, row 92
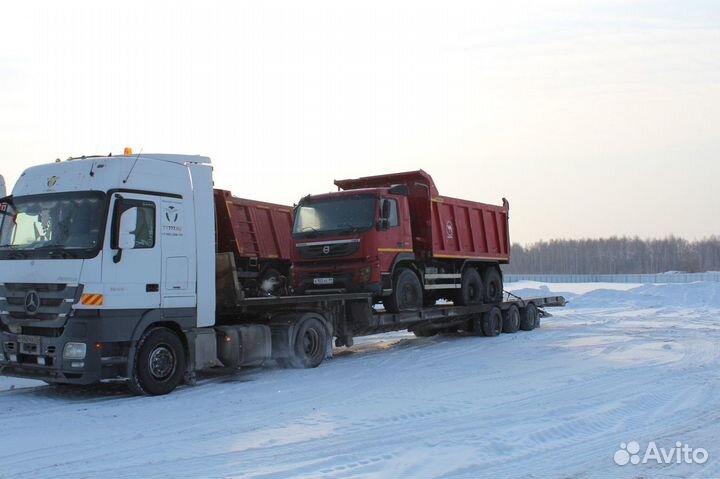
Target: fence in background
column 614, row 278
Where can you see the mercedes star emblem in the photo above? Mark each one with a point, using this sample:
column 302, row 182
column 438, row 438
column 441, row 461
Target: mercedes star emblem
column 32, row 302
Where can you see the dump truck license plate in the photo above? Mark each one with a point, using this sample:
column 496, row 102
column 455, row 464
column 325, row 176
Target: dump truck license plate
column 322, row 281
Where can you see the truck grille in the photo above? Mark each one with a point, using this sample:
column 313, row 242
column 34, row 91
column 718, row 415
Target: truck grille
column 331, row 250
column 37, row 301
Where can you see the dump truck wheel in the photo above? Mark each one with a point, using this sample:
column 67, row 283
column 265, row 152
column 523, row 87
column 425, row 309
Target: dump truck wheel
column 407, row 294
column 471, row 290
column 529, row 318
column 492, row 322
column 309, row 345
column 511, row 320
column 159, row 363
column 493, row 285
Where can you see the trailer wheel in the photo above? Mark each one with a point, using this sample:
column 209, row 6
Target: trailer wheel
column 310, row 344
column 471, row 290
column 407, row 293
column 492, row 322
column 529, row 318
column 159, row 363
column 493, row 285
column 511, row 320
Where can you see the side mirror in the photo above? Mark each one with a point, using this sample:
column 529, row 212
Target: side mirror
column 382, row 223
column 126, row 231
column 385, row 213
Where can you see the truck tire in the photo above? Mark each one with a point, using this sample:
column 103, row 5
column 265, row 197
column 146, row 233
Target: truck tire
column 407, row 293
column 493, row 285
column 471, row 290
column 309, row 345
column 159, row 363
column 529, row 317
column 511, row 320
column 492, row 322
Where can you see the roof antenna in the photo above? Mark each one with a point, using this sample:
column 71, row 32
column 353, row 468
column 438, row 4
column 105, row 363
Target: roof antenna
column 133, row 166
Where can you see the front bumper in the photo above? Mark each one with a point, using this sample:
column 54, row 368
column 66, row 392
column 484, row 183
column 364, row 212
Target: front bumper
column 38, row 354
column 348, row 278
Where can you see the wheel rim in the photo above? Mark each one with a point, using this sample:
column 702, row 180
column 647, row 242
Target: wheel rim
column 492, row 289
column 162, row 362
column 409, row 298
column 311, row 343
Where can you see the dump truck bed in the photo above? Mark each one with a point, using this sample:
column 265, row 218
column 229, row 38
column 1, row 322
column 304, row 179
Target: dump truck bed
column 252, row 229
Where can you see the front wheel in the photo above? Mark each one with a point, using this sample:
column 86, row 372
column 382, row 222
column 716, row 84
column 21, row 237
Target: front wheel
column 159, row 363
column 407, row 293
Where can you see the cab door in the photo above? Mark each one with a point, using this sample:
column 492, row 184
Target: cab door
column 132, row 265
column 395, row 236
column 177, row 289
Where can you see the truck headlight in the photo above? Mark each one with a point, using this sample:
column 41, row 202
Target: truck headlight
column 365, row 274
column 75, row 351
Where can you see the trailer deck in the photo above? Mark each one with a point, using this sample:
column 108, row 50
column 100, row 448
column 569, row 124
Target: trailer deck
column 353, row 314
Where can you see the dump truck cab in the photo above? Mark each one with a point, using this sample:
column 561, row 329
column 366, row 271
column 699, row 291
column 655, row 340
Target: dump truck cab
column 349, row 240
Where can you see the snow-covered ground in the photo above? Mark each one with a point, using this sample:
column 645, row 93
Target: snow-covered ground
column 620, row 363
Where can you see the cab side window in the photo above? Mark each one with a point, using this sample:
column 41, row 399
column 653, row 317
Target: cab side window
column 144, row 224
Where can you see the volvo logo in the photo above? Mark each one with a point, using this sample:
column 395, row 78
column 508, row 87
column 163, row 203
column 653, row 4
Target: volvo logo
column 32, row 303
column 326, row 249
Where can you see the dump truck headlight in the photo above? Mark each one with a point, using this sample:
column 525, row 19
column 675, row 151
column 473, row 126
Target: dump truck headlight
column 365, row 274
column 75, row 351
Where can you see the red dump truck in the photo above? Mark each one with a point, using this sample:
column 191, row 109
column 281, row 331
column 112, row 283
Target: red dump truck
column 258, row 236
column 396, row 237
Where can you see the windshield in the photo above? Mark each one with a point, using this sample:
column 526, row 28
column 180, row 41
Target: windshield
column 55, row 221
column 337, row 215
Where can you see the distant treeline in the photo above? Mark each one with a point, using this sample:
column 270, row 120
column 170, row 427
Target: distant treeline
column 615, row 256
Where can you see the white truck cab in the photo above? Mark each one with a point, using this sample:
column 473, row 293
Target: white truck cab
column 95, row 250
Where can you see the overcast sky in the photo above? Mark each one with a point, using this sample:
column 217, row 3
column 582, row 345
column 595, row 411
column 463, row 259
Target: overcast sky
column 593, row 118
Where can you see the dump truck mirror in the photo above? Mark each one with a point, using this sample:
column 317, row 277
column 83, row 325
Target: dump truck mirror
column 385, row 210
column 382, row 223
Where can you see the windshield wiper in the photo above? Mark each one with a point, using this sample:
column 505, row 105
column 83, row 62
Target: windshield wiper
column 62, row 253
column 313, row 231
column 16, row 254
column 350, row 228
